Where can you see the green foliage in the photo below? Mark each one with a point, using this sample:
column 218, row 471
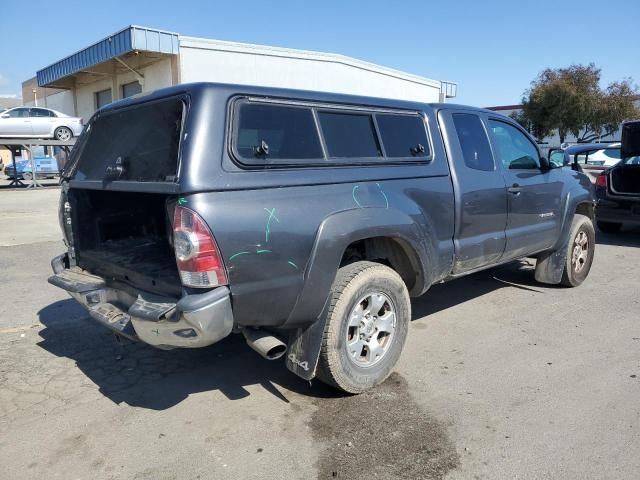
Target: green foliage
column 570, row 100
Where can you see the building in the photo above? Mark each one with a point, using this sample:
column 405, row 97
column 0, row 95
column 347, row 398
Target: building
column 553, row 141
column 140, row 59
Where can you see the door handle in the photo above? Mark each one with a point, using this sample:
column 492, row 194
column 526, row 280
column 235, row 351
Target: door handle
column 515, row 189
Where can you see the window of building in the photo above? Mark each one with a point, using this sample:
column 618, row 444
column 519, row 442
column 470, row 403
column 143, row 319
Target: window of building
column 403, row 135
column 473, row 141
column 349, row 135
column 276, row 132
column 130, row 89
column 515, row 149
column 103, row 97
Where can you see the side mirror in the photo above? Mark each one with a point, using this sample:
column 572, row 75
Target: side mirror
column 5, row 115
column 558, row 158
column 544, row 164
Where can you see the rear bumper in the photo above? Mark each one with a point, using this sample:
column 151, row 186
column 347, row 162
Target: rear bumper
column 193, row 321
column 626, row 212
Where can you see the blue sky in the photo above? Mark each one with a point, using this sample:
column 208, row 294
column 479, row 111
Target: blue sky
column 493, row 49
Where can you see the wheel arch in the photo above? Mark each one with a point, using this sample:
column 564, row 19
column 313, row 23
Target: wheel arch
column 376, row 226
column 550, row 264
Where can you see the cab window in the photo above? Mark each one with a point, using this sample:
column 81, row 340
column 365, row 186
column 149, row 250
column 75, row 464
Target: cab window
column 515, row 150
column 473, row 141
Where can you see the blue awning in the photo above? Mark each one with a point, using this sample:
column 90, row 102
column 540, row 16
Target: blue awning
column 130, row 39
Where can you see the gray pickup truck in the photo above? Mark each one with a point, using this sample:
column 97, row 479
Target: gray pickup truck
column 303, row 220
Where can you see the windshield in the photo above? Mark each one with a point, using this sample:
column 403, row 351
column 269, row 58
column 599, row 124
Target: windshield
column 632, row 161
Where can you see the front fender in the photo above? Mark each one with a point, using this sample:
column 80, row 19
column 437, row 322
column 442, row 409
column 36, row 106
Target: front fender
column 550, row 264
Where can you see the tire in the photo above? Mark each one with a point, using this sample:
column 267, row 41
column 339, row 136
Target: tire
column 346, row 360
column 27, row 176
column 609, row 227
column 63, row 134
column 580, row 251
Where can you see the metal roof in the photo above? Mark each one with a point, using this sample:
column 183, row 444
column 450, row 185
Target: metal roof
column 129, row 39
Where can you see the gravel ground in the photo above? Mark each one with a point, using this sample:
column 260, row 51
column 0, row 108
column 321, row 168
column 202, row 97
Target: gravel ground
column 501, row 378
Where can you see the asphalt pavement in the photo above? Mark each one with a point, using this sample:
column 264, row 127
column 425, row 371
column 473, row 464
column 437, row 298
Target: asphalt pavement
column 501, row 378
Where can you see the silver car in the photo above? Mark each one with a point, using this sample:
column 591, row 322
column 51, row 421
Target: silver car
column 36, row 122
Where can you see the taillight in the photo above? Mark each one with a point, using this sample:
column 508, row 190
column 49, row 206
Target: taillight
column 197, row 255
column 601, row 180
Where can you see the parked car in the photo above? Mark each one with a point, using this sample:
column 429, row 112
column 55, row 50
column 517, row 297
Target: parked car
column 303, row 220
column 618, row 187
column 46, row 167
column 36, row 122
column 593, row 158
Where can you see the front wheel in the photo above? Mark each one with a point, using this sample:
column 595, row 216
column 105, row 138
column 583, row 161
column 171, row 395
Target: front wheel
column 28, row 176
column 366, row 327
column 581, row 249
column 63, row 134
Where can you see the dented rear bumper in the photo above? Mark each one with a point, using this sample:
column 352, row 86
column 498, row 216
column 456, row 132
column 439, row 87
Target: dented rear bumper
column 193, row 321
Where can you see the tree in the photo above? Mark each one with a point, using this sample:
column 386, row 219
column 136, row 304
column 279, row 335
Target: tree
column 570, row 100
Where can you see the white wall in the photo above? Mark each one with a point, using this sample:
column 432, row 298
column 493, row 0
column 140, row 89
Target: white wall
column 62, row 102
column 85, row 97
column 227, row 62
column 156, row 75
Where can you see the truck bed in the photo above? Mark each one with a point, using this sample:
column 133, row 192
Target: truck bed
column 125, row 236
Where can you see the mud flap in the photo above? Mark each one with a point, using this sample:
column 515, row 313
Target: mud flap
column 304, row 347
column 550, row 265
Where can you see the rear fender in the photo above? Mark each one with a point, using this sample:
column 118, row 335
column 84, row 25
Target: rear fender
column 336, row 232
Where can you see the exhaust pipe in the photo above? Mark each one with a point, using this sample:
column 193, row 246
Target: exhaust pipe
column 264, row 343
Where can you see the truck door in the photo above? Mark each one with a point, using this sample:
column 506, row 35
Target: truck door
column 535, row 196
column 479, row 188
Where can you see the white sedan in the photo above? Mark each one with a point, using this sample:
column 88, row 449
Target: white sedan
column 36, row 122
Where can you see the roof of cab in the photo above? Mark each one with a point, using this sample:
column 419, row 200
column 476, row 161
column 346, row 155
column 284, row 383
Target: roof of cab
column 238, row 89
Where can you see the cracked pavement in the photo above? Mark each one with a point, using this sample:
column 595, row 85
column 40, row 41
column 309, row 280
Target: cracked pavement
column 500, row 378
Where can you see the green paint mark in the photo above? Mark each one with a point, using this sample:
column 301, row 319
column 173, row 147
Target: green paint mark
column 182, row 201
column 267, row 228
column 263, row 251
column 237, row 255
column 292, row 264
column 156, row 331
column 384, row 195
column 353, row 194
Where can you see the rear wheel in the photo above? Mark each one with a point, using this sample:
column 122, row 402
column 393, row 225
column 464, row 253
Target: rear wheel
column 366, row 327
column 581, row 249
column 609, row 227
column 63, row 134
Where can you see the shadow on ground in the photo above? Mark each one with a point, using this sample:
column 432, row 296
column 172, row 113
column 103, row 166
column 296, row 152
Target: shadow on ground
column 142, row 376
column 519, row 274
column 627, row 237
